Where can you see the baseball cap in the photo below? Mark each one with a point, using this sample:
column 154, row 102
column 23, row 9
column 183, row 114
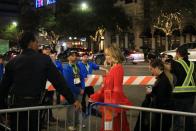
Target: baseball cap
column 45, row 47
column 71, row 52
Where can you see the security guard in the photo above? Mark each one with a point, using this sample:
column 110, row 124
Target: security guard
column 185, row 88
column 25, row 78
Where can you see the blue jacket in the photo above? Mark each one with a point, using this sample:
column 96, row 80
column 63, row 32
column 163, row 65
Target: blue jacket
column 69, row 77
column 1, row 71
column 84, row 72
column 59, row 66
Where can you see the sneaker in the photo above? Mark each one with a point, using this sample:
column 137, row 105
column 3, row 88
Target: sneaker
column 71, row 128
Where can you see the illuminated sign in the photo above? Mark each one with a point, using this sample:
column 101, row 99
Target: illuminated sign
column 39, row 3
column 50, row 1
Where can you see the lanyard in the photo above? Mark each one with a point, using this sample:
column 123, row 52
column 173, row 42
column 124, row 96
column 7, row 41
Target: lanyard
column 87, row 67
column 75, row 69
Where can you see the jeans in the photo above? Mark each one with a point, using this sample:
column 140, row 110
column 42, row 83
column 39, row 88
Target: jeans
column 74, row 117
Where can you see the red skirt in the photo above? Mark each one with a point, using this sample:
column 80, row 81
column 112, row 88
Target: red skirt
column 118, row 124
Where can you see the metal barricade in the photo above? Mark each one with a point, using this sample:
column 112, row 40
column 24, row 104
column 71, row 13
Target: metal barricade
column 139, row 118
column 41, row 120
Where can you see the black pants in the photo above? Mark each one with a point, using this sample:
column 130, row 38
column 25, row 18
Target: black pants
column 23, row 121
column 48, row 100
column 186, row 105
column 144, row 117
column 89, row 90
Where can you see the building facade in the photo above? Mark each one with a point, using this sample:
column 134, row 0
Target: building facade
column 9, row 11
column 143, row 34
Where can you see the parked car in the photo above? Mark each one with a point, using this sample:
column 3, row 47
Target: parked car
column 130, row 56
column 191, row 49
column 98, row 58
column 134, row 57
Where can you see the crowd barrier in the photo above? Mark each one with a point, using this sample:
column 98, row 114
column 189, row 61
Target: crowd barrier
column 94, row 121
column 135, row 116
column 61, row 122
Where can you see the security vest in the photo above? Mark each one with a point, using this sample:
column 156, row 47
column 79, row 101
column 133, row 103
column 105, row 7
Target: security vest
column 189, row 83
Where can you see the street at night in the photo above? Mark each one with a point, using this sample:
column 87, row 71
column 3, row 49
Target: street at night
column 132, row 61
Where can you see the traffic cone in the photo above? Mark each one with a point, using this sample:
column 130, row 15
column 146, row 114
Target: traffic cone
column 108, row 123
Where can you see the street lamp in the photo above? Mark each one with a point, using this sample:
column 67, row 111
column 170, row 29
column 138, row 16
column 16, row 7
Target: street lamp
column 84, row 6
column 14, row 23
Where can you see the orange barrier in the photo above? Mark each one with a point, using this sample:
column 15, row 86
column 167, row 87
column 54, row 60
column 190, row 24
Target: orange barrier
column 95, row 80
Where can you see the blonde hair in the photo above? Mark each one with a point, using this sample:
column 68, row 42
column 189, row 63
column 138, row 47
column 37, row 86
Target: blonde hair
column 115, row 52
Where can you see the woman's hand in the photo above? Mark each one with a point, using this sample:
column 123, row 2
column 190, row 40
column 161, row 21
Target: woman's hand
column 105, row 63
column 148, row 89
column 81, row 92
column 77, row 105
column 90, row 100
column 104, row 69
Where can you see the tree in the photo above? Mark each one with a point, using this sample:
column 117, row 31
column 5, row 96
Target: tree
column 154, row 8
column 9, row 31
column 172, row 6
column 169, row 22
column 28, row 18
column 101, row 13
column 47, row 25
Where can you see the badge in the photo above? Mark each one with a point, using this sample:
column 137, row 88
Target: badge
column 76, row 80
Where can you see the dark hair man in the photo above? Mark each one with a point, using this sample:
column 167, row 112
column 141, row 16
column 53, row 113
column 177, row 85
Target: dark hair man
column 25, row 79
column 185, row 88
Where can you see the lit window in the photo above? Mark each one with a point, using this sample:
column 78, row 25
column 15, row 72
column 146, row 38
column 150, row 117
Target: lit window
column 50, row 1
column 39, row 3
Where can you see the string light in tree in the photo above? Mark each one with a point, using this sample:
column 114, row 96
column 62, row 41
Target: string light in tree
column 169, row 22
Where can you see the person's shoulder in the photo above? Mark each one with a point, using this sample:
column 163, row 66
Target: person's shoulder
column 91, row 63
column 79, row 63
column 43, row 57
column 58, row 62
column 66, row 66
column 175, row 63
column 118, row 67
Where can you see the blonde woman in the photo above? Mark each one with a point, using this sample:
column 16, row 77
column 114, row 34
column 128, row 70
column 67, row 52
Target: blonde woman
column 113, row 86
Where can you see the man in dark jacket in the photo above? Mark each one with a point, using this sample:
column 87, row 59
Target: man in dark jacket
column 25, row 79
column 185, row 88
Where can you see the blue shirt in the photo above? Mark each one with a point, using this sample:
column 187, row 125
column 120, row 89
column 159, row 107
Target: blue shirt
column 86, row 69
column 59, row 66
column 69, row 77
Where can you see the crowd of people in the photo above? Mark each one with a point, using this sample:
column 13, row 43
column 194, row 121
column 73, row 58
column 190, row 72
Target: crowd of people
column 27, row 78
column 26, row 75
column 174, row 89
